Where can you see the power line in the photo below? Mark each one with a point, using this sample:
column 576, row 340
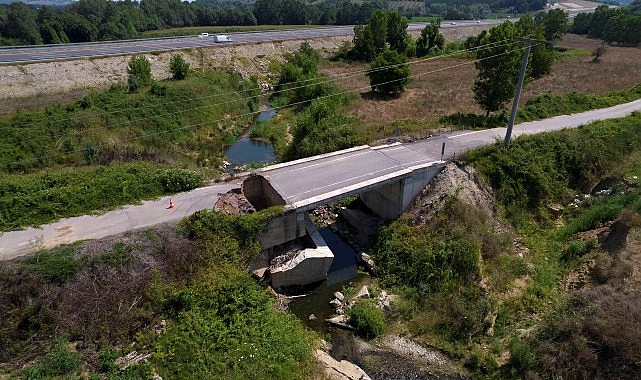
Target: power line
column 310, row 80
column 245, row 114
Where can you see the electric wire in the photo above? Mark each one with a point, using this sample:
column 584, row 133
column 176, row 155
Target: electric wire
column 289, row 88
column 244, row 114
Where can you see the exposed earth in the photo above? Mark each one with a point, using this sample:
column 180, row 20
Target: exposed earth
column 75, row 78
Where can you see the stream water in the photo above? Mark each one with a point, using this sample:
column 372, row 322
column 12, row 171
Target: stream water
column 251, row 151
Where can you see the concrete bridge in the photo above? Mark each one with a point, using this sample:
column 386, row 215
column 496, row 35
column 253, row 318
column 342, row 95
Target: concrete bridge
column 387, row 178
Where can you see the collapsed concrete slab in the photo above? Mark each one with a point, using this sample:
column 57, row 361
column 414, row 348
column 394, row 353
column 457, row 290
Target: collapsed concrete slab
column 303, row 267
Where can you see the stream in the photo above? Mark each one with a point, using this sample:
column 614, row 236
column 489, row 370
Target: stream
column 247, row 151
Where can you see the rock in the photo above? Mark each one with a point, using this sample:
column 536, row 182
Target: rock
column 363, row 293
column 385, row 305
column 133, row 357
column 555, row 209
column 366, row 261
column 335, row 303
column 340, row 321
column 304, row 267
column 311, row 317
column 332, row 369
column 339, row 296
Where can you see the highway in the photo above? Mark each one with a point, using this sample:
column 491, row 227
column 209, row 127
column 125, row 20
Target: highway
column 49, row 53
column 311, row 177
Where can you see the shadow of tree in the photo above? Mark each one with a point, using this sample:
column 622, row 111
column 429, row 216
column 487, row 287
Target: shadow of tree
column 377, row 96
column 474, row 121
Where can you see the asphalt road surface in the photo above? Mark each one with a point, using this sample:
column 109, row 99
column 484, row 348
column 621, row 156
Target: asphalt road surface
column 149, row 213
column 48, row 53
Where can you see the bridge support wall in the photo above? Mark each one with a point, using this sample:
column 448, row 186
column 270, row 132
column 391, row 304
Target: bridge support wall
column 260, row 193
column 390, row 200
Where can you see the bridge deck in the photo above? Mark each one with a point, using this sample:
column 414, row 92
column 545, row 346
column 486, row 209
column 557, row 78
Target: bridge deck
column 308, row 181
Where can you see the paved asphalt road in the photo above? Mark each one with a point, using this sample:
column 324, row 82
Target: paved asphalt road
column 47, row 53
column 18, row 243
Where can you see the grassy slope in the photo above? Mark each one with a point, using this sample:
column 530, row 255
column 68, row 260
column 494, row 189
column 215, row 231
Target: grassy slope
column 478, row 310
column 115, row 148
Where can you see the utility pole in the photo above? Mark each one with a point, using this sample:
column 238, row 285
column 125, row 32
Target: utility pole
column 517, row 93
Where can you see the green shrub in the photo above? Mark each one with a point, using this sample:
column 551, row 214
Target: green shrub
column 107, row 360
column 58, row 361
column 367, row 319
column 218, row 228
column 176, row 180
column 577, row 249
column 550, row 167
column 139, row 70
column 422, row 258
column 521, row 356
column 57, row 265
column 120, row 256
column 227, row 327
column 178, row 67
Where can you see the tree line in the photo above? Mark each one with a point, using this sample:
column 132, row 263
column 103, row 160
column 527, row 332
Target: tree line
column 103, row 20
column 613, row 25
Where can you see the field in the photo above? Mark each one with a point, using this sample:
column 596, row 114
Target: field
column 443, row 86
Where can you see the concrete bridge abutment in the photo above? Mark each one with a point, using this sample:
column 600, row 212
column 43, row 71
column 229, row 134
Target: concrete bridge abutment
column 389, row 201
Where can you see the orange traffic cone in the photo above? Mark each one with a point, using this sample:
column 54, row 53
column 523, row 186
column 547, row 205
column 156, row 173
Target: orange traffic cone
column 171, row 204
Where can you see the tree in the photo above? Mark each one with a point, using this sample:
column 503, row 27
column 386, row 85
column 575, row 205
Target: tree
column 581, row 24
column 498, row 65
column 389, row 72
column 397, row 35
column 21, row 24
column 178, row 67
column 554, row 22
column 363, row 45
column 430, row 38
column 542, row 56
column 139, row 70
column 377, row 25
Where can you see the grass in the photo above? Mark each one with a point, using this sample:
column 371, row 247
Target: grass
column 35, row 199
column 441, row 88
column 119, row 147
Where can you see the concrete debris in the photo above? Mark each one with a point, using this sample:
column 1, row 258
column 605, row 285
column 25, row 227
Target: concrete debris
column 363, row 293
column 133, row 357
column 334, row 370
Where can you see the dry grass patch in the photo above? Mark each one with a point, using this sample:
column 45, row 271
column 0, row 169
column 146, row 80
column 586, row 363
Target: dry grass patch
column 619, row 68
column 437, row 88
column 443, row 86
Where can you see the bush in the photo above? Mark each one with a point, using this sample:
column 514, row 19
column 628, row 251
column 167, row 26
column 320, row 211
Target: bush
column 59, row 361
column 139, row 70
column 321, row 129
column 367, row 319
column 422, row 258
column 57, row 265
column 521, row 356
column 577, row 249
column 178, row 67
column 389, row 73
column 177, row 180
column 226, row 327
